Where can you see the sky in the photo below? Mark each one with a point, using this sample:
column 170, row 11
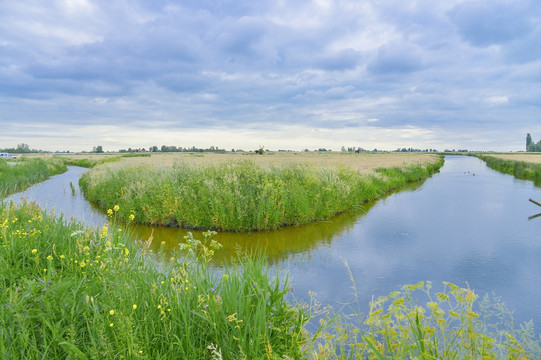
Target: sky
column 295, row 74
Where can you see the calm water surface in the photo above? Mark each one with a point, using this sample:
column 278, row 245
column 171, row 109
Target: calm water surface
column 467, row 224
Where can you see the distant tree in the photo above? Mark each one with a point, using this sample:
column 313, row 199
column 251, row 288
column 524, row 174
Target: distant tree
column 99, row 149
column 23, row 148
column 528, row 141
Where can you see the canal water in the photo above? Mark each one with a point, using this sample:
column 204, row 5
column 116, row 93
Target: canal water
column 468, row 225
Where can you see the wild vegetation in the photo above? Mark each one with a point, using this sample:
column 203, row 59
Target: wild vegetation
column 71, row 292
column 74, row 292
column 24, row 172
column 241, row 195
column 525, row 167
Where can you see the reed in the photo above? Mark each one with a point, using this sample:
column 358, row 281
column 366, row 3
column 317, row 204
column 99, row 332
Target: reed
column 240, row 195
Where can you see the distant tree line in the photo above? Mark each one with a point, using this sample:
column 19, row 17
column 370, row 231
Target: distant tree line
column 20, row 149
column 531, row 145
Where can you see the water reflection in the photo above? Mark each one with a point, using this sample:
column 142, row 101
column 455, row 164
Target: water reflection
column 61, row 195
column 277, row 246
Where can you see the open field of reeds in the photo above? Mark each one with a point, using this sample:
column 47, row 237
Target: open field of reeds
column 27, row 171
column 521, row 166
column 80, row 293
column 236, row 192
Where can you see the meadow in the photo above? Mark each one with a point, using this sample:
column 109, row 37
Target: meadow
column 239, row 192
column 81, row 293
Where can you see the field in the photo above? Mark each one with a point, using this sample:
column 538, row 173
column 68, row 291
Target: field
column 364, row 162
column 241, row 192
column 525, row 157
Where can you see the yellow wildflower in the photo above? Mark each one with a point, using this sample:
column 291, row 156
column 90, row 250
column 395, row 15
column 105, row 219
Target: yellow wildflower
column 111, row 312
column 111, row 324
column 110, row 212
column 134, row 306
column 116, row 208
column 34, row 251
column 131, row 217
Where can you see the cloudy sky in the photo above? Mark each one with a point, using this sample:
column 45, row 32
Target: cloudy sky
column 284, row 74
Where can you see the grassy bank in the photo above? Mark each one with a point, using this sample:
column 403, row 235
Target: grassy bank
column 25, row 172
column 520, row 168
column 71, row 292
column 240, row 195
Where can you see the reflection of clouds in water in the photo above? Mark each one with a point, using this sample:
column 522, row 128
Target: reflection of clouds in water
column 450, row 237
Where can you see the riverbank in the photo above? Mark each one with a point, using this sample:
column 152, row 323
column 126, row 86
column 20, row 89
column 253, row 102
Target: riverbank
column 521, row 166
column 255, row 193
column 27, row 171
column 75, row 292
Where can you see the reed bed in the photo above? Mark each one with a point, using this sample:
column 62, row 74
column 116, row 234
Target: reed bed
column 240, row 195
column 25, row 172
column 79, row 293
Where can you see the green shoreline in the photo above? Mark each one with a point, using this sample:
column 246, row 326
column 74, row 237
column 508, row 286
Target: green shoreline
column 520, row 169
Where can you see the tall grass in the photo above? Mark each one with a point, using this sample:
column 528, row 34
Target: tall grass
column 241, row 195
column 519, row 169
column 17, row 177
column 72, row 292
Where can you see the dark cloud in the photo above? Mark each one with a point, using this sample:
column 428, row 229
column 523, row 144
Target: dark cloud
column 485, row 23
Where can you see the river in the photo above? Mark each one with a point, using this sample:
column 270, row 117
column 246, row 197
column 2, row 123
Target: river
column 468, row 225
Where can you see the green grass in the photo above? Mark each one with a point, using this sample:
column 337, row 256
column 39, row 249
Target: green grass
column 90, row 163
column 519, row 169
column 241, row 195
column 15, row 178
column 71, row 292
column 68, row 292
